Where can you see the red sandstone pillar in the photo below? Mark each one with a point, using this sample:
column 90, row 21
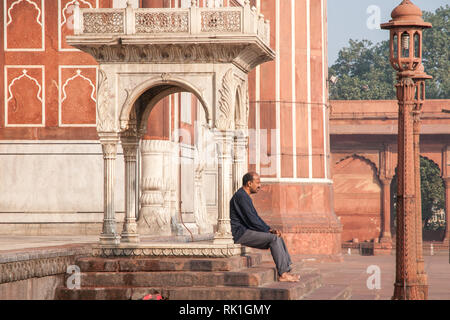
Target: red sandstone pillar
column 406, row 284
column 386, row 226
column 421, row 275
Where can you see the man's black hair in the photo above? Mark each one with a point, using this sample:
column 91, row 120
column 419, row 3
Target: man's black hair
column 248, row 177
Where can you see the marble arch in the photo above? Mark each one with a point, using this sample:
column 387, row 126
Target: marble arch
column 142, row 57
column 167, row 85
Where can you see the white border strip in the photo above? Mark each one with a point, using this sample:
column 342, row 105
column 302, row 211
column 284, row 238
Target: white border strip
column 6, row 94
column 324, row 91
column 60, row 95
column 308, row 80
column 296, row 180
column 5, row 31
column 294, row 94
column 277, row 88
column 258, row 108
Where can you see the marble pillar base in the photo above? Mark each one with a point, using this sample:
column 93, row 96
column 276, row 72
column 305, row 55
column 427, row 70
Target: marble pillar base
column 203, row 249
column 110, row 239
column 129, row 238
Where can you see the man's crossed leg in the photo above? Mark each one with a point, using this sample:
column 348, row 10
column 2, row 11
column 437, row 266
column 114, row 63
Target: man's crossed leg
column 265, row 240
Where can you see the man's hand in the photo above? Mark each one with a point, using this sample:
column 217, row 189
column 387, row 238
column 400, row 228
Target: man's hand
column 277, row 232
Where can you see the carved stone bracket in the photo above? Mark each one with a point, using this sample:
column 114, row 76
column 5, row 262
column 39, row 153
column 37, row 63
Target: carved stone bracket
column 225, row 114
column 105, row 120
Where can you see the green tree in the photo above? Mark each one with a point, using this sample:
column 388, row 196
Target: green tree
column 364, row 71
column 432, row 190
column 436, row 53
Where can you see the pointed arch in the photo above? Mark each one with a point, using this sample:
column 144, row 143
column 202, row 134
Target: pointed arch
column 357, row 156
column 156, row 89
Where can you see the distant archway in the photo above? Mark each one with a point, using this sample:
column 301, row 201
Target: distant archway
column 433, row 201
column 357, row 196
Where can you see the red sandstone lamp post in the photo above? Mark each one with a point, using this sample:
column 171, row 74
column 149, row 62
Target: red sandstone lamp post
column 406, row 29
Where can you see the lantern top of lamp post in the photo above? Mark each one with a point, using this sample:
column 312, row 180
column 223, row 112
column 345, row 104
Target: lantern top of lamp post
column 407, row 14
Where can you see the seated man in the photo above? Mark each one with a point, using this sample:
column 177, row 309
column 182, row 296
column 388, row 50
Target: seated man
column 250, row 230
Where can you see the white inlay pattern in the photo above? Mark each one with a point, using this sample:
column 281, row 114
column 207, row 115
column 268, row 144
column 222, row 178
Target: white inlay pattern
column 9, row 19
column 9, row 95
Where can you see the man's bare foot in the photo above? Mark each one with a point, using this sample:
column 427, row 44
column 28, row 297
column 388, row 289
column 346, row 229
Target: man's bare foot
column 289, row 277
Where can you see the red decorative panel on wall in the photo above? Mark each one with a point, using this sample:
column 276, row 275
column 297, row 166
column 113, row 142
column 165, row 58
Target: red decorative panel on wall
column 77, row 96
column 24, row 19
column 24, row 96
column 65, row 20
column 33, row 34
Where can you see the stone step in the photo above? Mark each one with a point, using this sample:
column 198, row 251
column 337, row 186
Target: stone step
column 331, row 292
column 251, row 277
column 311, row 280
column 266, row 256
column 149, row 264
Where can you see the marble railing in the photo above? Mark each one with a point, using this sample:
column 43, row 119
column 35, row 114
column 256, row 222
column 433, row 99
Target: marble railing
column 163, row 22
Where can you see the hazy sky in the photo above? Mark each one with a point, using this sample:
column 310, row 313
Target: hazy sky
column 347, row 19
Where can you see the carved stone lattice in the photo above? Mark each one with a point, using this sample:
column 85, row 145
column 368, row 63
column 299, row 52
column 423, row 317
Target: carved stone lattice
column 174, row 22
column 103, row 22
column 221, row 21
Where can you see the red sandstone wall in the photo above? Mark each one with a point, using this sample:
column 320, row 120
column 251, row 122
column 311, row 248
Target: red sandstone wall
column 364, row 141
column 357, row 199
column 48, row 89
column 289, row 94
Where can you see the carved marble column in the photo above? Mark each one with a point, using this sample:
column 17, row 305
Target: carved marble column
column 239, row 158
column 224, row 142
column 176, row 225
column 386, row 200
column 109, row 145
column 200, row 212
column 130, row 146
column 154, row 217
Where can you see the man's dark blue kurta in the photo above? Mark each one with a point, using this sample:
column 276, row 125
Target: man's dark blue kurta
column 243, row 215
